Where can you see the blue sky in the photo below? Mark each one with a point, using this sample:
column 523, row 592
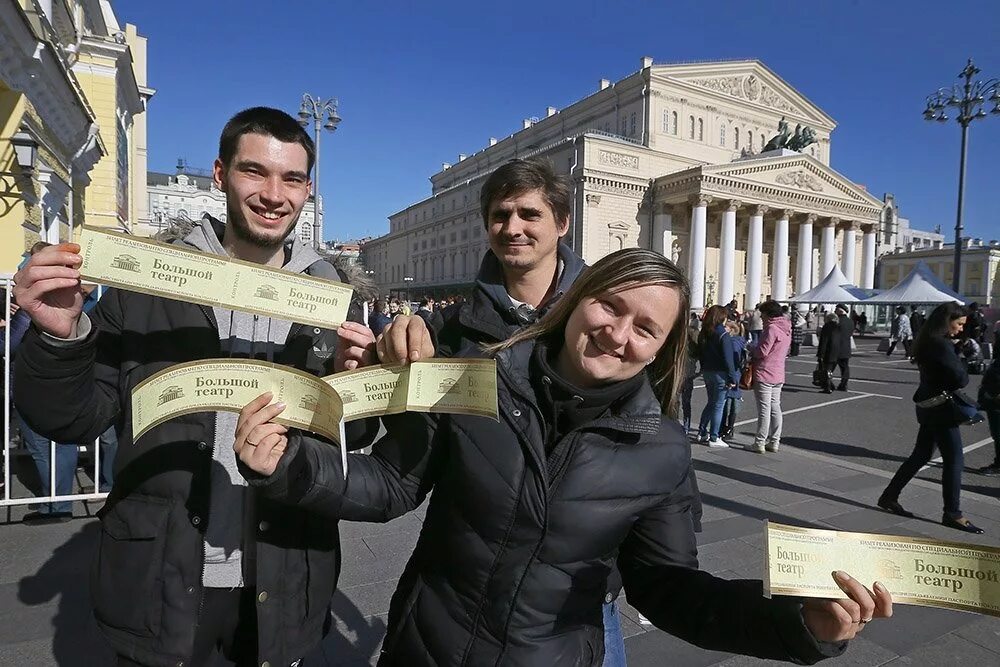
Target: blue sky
column 420, row 83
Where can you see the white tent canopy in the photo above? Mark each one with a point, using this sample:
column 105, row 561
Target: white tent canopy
column 919, row 287
column 832, row 289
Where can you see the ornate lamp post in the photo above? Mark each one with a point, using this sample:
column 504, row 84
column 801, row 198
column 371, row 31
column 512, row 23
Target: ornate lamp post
column 967, row 99
column 314, row 109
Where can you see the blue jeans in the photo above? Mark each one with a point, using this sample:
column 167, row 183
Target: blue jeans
column 711, row 416
column 949, row 441
column 66, row 456
column 109, row 447
column 614, row 643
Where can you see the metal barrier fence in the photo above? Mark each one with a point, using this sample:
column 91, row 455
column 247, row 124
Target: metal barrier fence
column 6, row 282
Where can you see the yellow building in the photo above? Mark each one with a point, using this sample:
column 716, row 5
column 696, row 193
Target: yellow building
column 72, row 122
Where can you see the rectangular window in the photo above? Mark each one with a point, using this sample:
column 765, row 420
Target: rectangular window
column 465, row 234
column 632, row 125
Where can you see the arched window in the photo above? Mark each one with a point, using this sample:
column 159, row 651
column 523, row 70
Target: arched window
column 722, row 134
column 763, row 142
column 750, row 140
column 701, row 130
column 736, row 138
column 691, row 122
column 666, row 122
column 673, row 120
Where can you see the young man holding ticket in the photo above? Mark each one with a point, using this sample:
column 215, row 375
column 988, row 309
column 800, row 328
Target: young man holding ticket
column 585, row 468
column 191, row 563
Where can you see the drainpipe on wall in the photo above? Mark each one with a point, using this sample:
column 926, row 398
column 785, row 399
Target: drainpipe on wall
column 577, row 224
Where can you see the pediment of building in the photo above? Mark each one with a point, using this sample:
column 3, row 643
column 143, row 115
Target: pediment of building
column 750, row 81
column 800, row 175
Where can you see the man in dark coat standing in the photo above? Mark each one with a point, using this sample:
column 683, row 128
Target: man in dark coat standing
column 828, row 351
column 846, row 337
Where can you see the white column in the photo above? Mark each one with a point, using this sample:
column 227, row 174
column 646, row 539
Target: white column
column 828, row 248
column 803, row 265
column 847, row 255
column 663, row 230
column 727, row 254
column 779, row 270
column 755, row 256
column 868, row 257
column 696, row 254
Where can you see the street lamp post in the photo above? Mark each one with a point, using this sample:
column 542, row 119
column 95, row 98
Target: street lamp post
column 314, row 109
column 968, row 98
column 409, row 281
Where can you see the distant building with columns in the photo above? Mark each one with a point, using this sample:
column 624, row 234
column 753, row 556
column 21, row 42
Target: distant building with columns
column 668, row 158
column 979, row 279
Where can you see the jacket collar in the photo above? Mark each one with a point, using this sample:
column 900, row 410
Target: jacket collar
column 638, row 413
column 491, row 312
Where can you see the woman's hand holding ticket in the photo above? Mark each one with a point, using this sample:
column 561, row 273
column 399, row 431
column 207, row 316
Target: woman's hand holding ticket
column 260, row 443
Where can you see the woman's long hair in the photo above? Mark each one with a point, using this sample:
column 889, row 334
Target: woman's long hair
column 617, row 272
column 937, row 325
column 714, row 316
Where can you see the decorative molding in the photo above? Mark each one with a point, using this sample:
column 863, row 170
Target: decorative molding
column 734, row 204
column 761, row 209
column 786, row 214
column 749, row 88
column 593, row 200
column 810, row 218
column 618, row 159
column 701, row 200
column 800, row 179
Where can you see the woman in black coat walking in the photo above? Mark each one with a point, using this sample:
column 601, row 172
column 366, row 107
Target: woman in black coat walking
column 585, row 468
column 941, row 373
column 828, row 351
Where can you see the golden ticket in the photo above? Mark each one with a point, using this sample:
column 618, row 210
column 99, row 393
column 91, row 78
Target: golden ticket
column 227, row 385
column 915, row 570
column 465, row 386
column 142, row 265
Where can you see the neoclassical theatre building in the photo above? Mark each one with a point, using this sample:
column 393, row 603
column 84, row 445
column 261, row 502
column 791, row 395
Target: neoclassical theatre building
column 668, row 158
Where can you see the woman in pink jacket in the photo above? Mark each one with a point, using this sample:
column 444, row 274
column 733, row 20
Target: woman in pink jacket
column 769, row 376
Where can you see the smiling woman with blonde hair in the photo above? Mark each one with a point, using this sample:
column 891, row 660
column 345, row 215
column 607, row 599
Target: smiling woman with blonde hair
column 584, row 469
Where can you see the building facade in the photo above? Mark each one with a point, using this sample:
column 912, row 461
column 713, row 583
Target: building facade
column 72, row 83
column 668, row 158
column 191, row 194
column 979, row 280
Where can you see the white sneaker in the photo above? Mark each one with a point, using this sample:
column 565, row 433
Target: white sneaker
column 771, row 446
column 715, row 442
column 758, row 449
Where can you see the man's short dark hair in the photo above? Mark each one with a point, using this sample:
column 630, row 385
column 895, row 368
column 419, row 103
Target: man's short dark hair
column 269, row 123
column 770, row 309
column 425, row 302
column 520, row 176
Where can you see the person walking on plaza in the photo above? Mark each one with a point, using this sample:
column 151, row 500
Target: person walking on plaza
column 690, row 373
column 798, row 324
column 738, row 351
column 828, row 351
column 768, row 360
column 718, row 371
column 989, row 401
column 190, row 563
column 941, row 373
column 585, row 467
column 756, row 325
column 899, row 331
column 846, row 343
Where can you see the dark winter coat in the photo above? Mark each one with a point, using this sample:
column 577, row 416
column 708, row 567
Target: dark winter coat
column 941, row 370
column 828, row 349
column 512, row 561
column 846, row 336
column 146, row 583
column 490, row 316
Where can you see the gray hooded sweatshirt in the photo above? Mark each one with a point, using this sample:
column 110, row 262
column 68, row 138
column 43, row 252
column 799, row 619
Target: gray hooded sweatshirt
column 229, row 532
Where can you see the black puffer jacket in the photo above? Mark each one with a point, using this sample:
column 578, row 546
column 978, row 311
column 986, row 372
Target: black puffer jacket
column 513, row 558
column 490, row 316
column 941, row 370
column 146, row 582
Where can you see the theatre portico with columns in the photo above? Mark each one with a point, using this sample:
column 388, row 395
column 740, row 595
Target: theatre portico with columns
column 772, row 225
column 671, row 158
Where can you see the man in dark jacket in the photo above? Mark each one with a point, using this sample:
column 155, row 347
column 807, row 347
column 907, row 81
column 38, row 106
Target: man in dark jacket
column 828, row 351
column 846, row 338
column 379, row 317
column 190, row 562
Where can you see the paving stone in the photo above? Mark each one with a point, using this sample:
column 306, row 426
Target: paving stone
column 911, row 627
column 352, row 642
column 855, row 482
column 728, row 555
column 370, row 599
column 724, row 529
column 656, row 648
column 949, row 650
column 865, row 521
column 405, row 523
column 860, row 652
column 984, row 632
